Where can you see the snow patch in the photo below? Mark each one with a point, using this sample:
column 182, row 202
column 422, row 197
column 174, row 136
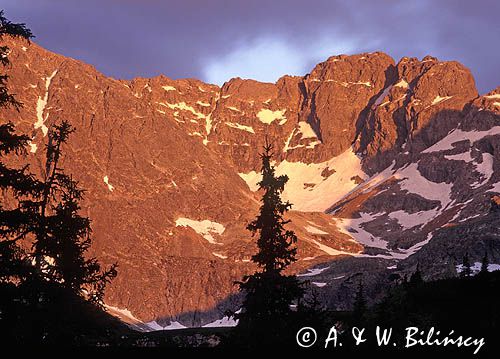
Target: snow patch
column 125, row 315
column 204, row 104
column 183, row 106
column 365, row 83
column 169, row 88
column 252, row 179
column 314, row 230
column 308, row 258
column 414, row 182
column 267, row 116
column 485, row 168
column 495, row 188
column 33, row 147
column 329, row 250
column 287, row 142
column 379, row 99
column 457, row 135
column 402, row 83
column 204, row 228
column 41, row 103
column 313, row 272
column 196, row 133
column 496, row 95
column 110, row 186
column 347, row 84
column 476, row 267
column 326, row 191
column 313, row 144
column 208, row 121
column 219, row 255
column 221, row 323
column 410, row 220
column 466, row 157
column 439, row 99
column 319, row 284
column 353, row 227
column 240, row 127
column 306, row 130
column 232, row 108
column 174, row 325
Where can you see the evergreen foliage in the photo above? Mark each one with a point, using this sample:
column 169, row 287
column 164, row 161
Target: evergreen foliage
column 269, row 293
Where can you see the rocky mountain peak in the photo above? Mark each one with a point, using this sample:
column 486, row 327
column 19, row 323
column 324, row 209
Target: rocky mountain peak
column 381, row 157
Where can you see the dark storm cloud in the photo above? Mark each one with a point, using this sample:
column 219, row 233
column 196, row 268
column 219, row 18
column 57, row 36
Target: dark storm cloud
column 215, row 40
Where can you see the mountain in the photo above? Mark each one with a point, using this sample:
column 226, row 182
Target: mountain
column 390, row 164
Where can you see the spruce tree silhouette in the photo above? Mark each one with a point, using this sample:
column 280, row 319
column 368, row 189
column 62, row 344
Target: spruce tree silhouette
column 67, row 285
column 484, row 264
column 17, row 218
column 10, row 29
column 466, row 266
column 416, row 277
column 63, row 236
column 14, row 222
column 268, row 293
column 359, row 307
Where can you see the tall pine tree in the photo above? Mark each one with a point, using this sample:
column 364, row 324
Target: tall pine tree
column 269, row 293
column 17, row 183
column 466, row 267
column 63, row 235
column 359, row 306
column 18, row 208
column 484, row 264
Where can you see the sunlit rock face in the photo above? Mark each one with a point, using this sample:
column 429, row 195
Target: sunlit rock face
column 381, row 158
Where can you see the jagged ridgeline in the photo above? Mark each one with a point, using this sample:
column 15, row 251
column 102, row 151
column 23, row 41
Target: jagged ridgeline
column 389, row 165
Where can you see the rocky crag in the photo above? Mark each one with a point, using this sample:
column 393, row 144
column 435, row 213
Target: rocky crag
column 390, row 165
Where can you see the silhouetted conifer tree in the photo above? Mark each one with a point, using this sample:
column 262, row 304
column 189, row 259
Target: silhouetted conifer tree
column 416, row 277
column 15, row 221
column 268, row 293
column 63, row 236
column 359, row 307
column 484, row 264
column 466, row 266
column 10, row 29
column 17, row 210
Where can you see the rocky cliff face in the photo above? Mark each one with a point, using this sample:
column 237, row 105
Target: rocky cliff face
column 381, row 158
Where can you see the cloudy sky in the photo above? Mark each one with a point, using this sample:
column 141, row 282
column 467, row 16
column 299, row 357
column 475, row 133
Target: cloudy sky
column 214, row 40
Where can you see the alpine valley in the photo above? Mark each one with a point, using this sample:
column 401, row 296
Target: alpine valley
column 391, row 166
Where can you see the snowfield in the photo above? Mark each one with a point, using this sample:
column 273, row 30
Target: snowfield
column 457, row 135
column 323, row 190
column 204, row 228
column 267, row 116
